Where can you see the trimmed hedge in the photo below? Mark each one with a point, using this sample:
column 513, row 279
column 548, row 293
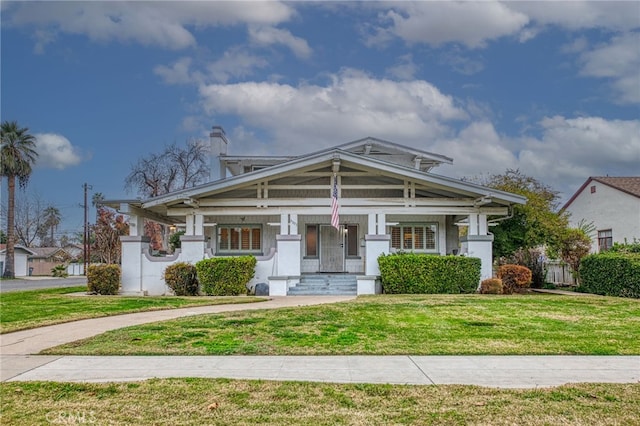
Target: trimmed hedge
column 611, row 274
column 411, row 273
column 514, row 277
column 181, row 277
column 226, row 276
column 103, row 279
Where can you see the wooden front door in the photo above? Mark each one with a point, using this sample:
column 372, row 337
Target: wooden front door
column 331, row 249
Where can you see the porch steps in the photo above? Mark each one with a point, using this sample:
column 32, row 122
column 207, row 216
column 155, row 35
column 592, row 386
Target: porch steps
column 325, row 284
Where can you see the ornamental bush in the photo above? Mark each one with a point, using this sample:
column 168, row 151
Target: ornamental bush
column 182, row 278
column 514, row 278
column 411, row 273
column 103, row 279
column 226, row 276
column 491, row 286
column 611, row 274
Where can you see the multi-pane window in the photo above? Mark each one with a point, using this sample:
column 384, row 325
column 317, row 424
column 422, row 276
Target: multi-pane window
column 418, row 237
column 605, row 240
column 245, row 238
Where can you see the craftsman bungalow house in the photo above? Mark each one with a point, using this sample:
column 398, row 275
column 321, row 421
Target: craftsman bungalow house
column 279, row 209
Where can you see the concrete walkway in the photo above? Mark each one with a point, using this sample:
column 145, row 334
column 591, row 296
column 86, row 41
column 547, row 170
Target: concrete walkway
column 18, row 362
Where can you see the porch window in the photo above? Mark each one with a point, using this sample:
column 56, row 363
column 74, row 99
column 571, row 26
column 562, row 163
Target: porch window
column 239, row 239
column 415, row 237
column 605, row 240
column 352, row 240
column 311, row 241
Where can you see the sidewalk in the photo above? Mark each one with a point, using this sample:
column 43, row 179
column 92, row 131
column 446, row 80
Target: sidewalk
column 18, row 363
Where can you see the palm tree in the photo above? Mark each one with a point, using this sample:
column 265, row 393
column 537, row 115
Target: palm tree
column 52, row 218
column 17, row 156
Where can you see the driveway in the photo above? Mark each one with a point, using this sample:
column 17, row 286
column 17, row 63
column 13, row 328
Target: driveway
column 39, row 283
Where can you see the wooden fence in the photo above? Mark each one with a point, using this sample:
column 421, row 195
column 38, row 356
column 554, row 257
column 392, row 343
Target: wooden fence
column 559, row 273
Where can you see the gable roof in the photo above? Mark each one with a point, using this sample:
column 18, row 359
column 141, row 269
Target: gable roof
column 372, row 147
column 629, row 185
column 316, row 160
column 46, row 252
column 3, row 249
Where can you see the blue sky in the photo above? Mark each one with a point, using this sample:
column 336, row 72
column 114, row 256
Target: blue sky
column 551, row 88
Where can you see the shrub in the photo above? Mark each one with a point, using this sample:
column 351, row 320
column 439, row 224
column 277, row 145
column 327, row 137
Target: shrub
column 59, row 271
column 534, row 259
column 103, row 279
column 410, row 273
column 491, row 286
column 226, row 276
column 514, row 278
column 611, row 274
column 182, row 278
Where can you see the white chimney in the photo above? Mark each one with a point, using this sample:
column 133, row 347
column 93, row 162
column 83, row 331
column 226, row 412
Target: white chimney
column 218, row 150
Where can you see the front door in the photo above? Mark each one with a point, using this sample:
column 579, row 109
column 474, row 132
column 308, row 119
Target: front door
column 331, row 249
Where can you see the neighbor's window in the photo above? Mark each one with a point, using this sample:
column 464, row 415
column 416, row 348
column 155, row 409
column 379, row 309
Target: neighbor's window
column 352, row 240
column 605, row 240
column 422, row 237
column 312, row 241
column 239, row 238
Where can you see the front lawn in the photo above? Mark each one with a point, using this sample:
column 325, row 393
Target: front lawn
column 390, row 325
column 21, row 310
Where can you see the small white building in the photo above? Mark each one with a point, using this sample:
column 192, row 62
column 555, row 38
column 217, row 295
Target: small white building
column 279, row 209
column 21, row 256
column 612, row 204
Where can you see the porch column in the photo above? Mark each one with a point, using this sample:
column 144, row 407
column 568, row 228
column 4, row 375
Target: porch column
column 132, row 258
column 288, row 244
column 193, row 242
column 376, row 242
column 479, row 243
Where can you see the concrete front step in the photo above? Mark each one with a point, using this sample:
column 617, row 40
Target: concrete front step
column 329, row 284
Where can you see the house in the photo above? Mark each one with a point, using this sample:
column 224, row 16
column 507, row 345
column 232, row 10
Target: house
column 21, row 255
column 279, row 209
column 44, row 259
column 612, row 205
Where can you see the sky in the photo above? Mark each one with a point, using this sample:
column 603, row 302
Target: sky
column 549, row 88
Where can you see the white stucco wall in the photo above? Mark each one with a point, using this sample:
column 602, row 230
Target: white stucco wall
column 607, row 208
column 20, row 263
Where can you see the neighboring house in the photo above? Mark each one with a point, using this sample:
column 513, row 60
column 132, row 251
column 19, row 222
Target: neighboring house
column 280, row 210
column 46, row 258
column 20, row 259
column 612, row 204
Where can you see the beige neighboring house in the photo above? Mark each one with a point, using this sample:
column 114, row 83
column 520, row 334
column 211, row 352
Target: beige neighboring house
column 612, row 204
column 44, row 259
column 20, row 260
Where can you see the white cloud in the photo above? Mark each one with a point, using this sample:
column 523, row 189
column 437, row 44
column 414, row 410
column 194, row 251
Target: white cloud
column 176, row 73
column 618, row 60
column 352, row 105
column 566, row 153
column 267, row 36
column 163, row 24
column 470, row 23
column 405, row 68
column 236, row 62
column 55, row 151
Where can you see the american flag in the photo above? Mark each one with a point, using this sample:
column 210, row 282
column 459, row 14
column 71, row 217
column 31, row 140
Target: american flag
column 335, row 216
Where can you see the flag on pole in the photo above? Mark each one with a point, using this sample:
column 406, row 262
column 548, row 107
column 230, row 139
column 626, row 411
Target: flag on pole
column 335, row 217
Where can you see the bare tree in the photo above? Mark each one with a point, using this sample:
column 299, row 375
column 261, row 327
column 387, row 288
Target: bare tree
column 172, row 169
column 29, row 223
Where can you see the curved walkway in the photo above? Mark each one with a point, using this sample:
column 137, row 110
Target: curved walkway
column 18, row 362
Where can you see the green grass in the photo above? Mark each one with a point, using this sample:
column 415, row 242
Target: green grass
column 21, row 310
column 386, row 325
column 238, row 402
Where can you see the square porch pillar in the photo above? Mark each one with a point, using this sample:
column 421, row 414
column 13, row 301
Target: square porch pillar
column 132, row 254
column 375, row 245
column 288, row 249
column 192, row 248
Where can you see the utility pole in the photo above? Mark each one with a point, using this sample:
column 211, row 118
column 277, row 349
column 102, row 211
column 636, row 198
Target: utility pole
column 87, row 232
